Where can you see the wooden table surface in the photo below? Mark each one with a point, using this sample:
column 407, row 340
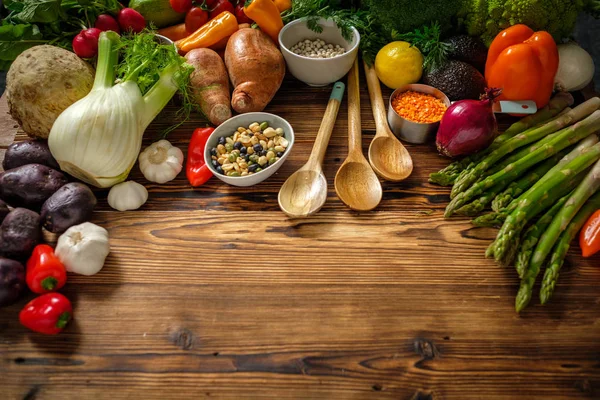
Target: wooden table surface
column 214, row 293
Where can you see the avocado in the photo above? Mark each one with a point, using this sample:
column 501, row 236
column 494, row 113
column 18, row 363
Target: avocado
column 469, row 49
column 457, row 79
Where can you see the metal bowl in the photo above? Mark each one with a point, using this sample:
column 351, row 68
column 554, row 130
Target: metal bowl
column 409, row 131
column 163, row 39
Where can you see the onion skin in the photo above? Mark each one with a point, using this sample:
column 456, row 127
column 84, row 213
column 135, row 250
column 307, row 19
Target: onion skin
column 468, row 126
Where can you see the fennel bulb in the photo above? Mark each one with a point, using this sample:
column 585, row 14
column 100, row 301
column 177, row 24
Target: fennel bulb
column 99, row 137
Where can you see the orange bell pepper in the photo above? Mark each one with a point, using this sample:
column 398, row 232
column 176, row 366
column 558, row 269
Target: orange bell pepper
column 589, row 237
column 523, row 64
column 266, row 15
column 283, row 5
column 218, row 28
column 175, row 32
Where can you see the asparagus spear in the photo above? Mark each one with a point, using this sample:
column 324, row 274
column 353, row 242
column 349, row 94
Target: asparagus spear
column 478, row 205
column 532, row 235
column 562, row 247
column 560, row 222
column 522, row 139
column 557, row 105
column 516, row 188
column 560, row 141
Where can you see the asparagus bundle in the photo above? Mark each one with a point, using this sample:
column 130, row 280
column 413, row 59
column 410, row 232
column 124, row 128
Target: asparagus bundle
column 448, row 175
column 559, row 141
column 531, row 135
column 560, row 222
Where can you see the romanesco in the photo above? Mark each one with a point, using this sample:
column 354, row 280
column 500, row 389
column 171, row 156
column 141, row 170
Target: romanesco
column 486, row 18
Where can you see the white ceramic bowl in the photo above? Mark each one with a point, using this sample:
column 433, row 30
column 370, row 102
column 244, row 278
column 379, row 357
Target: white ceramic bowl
column 317, row 71
column 229, row 127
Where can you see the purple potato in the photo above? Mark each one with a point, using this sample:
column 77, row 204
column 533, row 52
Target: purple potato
column 20, row 232
column 71, row 205
column 28, row 152
column 30, row 185
column 12, row 281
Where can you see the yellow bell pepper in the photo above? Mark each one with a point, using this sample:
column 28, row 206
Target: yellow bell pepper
column 283, row 5
column 266, row 15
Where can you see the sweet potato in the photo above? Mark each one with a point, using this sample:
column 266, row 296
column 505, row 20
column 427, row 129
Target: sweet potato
column 210, row 84
column 256, row 69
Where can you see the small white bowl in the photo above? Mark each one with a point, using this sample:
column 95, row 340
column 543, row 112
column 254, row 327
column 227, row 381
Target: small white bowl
column 230, row 126
column 317, row 71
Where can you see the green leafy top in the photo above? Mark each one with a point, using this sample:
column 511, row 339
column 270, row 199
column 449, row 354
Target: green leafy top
column 429, row 43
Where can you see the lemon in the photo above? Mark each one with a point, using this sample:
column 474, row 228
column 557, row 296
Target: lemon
column 398, row 64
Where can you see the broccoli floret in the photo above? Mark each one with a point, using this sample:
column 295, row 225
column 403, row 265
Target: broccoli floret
column 486, row 18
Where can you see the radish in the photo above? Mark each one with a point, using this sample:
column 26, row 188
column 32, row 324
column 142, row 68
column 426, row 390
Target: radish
column 85, row 44
column 129, row 19
column 106, row 22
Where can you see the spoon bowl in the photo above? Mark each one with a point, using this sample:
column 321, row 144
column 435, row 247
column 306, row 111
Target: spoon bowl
column 304, row 193
column 390, row 159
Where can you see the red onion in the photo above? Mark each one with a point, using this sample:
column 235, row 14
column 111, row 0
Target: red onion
column 468, row 126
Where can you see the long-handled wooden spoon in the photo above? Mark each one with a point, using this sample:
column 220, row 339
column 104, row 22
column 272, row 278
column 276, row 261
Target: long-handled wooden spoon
column 355, row 182
column 305, row 191
column 388, row 157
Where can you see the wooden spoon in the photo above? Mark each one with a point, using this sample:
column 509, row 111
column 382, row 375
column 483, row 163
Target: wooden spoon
column 355, row 182
column 388, row 157
column 305, row 191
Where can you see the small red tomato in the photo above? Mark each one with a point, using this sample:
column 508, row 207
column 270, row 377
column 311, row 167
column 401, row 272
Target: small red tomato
column 181, row 6
column 195, row 18
column 85, row 44
column 210, row 3
column 241, row 16
column 129, row 19
column 47, row 314
column 220, row 6
column 106, row 22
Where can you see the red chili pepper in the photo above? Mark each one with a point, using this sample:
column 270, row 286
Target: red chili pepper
column 589, row 238
column 47, row 314
column 45, row 273
column 196, row 169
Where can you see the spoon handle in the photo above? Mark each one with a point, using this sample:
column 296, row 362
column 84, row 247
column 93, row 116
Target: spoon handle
column 376, row 100
column 354, row 123
column 318, row 152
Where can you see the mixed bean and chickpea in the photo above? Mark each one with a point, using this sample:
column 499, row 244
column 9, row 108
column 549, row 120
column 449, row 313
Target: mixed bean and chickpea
column 249, row 150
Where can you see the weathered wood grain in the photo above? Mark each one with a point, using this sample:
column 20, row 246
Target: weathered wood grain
column 214, row 293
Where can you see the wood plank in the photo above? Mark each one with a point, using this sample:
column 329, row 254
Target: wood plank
column 214, row 293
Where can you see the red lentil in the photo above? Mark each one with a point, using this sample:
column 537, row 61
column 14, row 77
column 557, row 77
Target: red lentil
column 419, row 107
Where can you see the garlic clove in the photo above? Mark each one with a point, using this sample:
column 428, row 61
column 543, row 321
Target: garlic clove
column 127, row 196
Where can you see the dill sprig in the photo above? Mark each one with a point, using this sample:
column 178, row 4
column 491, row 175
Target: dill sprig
column 429, row 43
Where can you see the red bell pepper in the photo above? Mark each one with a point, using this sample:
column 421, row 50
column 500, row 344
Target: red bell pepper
column 196, row 169
column 523, row 64
column 45, row 273
column 589, row 237
column 47, row 314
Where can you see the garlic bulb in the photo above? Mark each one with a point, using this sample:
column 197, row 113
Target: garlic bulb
column 126, row 196
column 83, row 248
column 161, row 161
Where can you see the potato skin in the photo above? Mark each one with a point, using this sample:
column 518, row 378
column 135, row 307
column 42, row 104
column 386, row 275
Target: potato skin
column 71, row 205
column 256, row 68
column 20, row 232
column 12, row 281
column 210, row 84
column 28, row 152
column 41, row 83
column 30, row 185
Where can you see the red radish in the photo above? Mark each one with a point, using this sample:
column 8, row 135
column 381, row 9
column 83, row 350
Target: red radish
column 181, row 6
column 220, row 6
column 129, row 19
column 106, row 22
column 468, row 126
column 85, row 44
column 240, row 15
column 195, row 18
